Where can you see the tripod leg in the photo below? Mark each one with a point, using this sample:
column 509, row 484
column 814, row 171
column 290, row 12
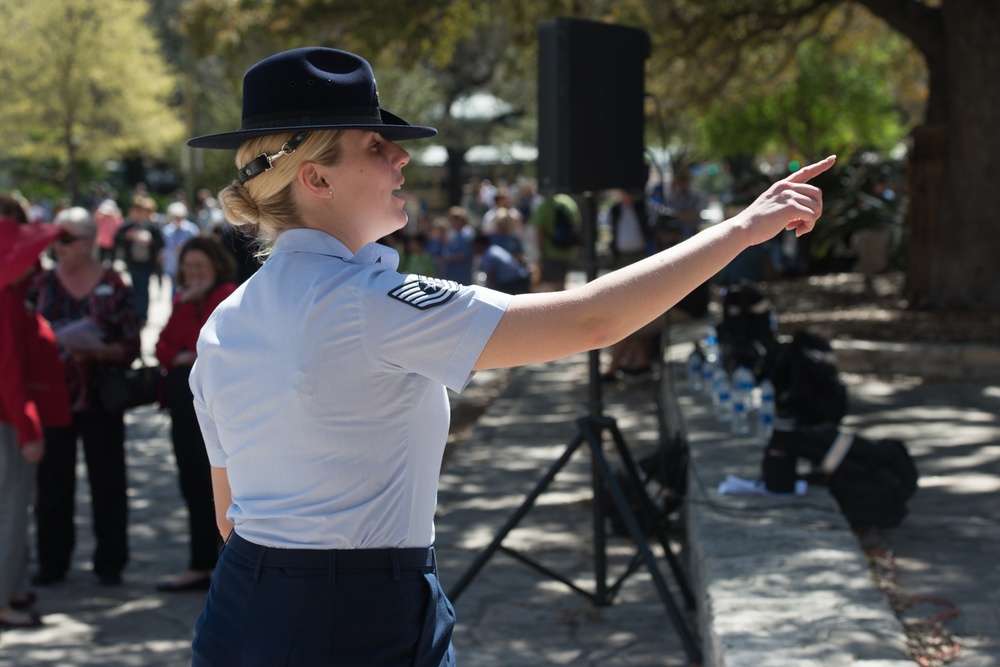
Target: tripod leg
column 652, row 515
column 602, row 596
column 676, row 568
column 515, row 518
column 618, row 496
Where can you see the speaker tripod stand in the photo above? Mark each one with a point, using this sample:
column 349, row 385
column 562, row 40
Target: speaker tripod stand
column 590, row 432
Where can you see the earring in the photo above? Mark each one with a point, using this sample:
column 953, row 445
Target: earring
column 330, row 191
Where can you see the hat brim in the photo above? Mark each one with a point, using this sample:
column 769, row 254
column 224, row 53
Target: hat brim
column 392, row 128
column 22, row 244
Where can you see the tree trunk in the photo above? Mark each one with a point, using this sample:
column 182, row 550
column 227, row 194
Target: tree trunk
column 962, row 256
column 72, row 182
column 953, row 237
column 925, row 171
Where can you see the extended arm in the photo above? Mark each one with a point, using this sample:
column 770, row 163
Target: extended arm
column 546, row 326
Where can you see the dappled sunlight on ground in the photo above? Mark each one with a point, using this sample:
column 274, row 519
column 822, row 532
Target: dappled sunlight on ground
column 839, row 305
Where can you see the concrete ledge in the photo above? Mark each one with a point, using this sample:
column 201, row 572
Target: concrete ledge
column 780, row 581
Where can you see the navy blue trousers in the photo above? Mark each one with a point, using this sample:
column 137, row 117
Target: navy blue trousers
column 298, row 607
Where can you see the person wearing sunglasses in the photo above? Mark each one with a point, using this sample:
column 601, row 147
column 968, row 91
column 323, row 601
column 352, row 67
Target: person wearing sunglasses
column 32, row 396
column 92, row 312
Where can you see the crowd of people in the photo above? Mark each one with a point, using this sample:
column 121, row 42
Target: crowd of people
column 75, row 297
column 510, row 237
column 453, row 244
column 90, row 299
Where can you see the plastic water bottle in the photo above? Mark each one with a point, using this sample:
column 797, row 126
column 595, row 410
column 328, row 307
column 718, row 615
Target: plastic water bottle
column 765, row 414
column 721, row 395
column 710, row 362
column 712, row 346
column 694, row 369
column 740, row 423
column 708, row 376
column 743, row 381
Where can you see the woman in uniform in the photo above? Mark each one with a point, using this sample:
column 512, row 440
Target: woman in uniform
column 321, row 383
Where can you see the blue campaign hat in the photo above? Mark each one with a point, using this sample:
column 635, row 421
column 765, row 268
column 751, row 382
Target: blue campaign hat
column 312, row 88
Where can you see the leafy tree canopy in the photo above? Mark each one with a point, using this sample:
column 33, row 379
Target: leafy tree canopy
column 84, row 80
column 829, row 101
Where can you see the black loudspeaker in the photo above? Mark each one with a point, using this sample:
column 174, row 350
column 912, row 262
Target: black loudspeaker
column 590, row 106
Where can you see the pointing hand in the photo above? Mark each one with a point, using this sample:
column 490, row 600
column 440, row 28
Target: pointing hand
column 790, row 203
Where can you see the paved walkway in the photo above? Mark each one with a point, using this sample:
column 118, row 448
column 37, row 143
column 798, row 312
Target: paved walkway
column 510, row 614
column 947, row 549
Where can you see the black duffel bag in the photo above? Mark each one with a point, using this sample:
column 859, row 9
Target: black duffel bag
column 871, row 479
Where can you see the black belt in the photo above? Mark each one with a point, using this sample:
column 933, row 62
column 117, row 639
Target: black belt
column 421, row 558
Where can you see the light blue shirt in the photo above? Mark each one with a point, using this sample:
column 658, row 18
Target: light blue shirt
column 321, row 385
column 175, row 236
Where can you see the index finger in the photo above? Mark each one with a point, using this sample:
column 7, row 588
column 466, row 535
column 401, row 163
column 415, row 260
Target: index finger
column 811, row 171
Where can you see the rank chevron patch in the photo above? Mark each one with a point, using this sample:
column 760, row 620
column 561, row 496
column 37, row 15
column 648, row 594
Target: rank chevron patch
column 423, row 292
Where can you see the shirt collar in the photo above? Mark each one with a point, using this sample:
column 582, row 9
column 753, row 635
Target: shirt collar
column 321, row 243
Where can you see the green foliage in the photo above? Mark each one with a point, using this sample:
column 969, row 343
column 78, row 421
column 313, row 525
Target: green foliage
column 860, row 194
column 727, row 76
column 85, row 82
column 830, row 102
column 428, row 56
column 36, row 179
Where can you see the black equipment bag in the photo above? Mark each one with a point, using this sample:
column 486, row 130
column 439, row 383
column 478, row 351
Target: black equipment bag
column 872, row 480
column 807, row 384
column 663, row 475
column 746, row 331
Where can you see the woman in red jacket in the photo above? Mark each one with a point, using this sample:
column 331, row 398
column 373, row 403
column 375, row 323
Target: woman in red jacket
column 32, row 395
column 205, row 276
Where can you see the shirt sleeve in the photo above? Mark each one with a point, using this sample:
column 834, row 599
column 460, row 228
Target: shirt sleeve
column 435, row 328
column 216, row 455
column 215, row 297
